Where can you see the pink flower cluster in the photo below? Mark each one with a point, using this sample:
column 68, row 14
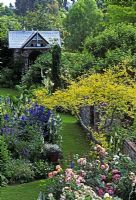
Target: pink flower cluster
column 72, row 176
column 105, row 166
column 108, row 188
column 116, row 175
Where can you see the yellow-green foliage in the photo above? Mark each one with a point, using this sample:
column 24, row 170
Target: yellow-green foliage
column 103, row 140
column 115, row 87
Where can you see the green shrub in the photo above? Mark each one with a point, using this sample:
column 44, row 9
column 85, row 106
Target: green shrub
column 34, row 74
column 11, row 74
column 3, row 180
column 4, row 153
column 19, row 171
column 42, row 168
column 113, row 46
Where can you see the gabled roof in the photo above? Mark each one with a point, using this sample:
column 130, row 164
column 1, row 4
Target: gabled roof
column 35, row 35
column 18, row 39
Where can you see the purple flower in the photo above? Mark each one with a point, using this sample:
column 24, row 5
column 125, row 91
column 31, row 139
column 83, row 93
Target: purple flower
column 23, row 118
column 72, row 164
column 6, row 117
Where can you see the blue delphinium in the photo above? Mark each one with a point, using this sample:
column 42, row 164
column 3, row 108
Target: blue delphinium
column 23, row 118
column 6, row 117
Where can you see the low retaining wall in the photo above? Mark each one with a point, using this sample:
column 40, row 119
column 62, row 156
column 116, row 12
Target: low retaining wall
column 130, row 149
column 90, row 116
column 85, row 114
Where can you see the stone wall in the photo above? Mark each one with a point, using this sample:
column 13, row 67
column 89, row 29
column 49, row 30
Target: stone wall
column 90, row 116
column 130, row 149
column 85, row 113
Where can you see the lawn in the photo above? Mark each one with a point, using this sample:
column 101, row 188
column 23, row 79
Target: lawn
column 74, row 138
column 27, row 191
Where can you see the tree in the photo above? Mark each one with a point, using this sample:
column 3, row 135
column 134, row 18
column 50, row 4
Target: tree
column 113, row 92
column 43, row 17
column 5, row 10
column 55, row 71
column 117, row 14
column 120, row 3
column 74, row 64
column 82, row 20
column 22, row 6
column 8, row 23
column 113, row 45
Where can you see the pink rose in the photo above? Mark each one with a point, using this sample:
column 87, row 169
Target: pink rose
column 103, row 178
column 102, row 166
column 101, row 192
column 116, row 177
column 110, row 192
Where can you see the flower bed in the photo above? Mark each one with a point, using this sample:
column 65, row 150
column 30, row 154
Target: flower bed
column 107, row 178
column 24, row 128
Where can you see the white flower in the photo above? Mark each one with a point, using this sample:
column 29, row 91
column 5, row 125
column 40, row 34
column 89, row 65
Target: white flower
column 107, row 196
column 115, row 157
column 50, row 195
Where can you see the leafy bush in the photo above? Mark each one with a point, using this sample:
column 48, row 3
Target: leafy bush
column 4, row 153
column 11, row 74
column 19, row 171
column 3, row 180
column 42, row 168
column 115, row 44
column 75, row 64
column 42, row 66
column 24, row 128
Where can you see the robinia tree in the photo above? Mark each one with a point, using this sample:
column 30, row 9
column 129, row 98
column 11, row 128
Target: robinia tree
column 113, row 92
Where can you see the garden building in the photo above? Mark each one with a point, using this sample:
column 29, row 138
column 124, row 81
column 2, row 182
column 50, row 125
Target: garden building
column 29, row 44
